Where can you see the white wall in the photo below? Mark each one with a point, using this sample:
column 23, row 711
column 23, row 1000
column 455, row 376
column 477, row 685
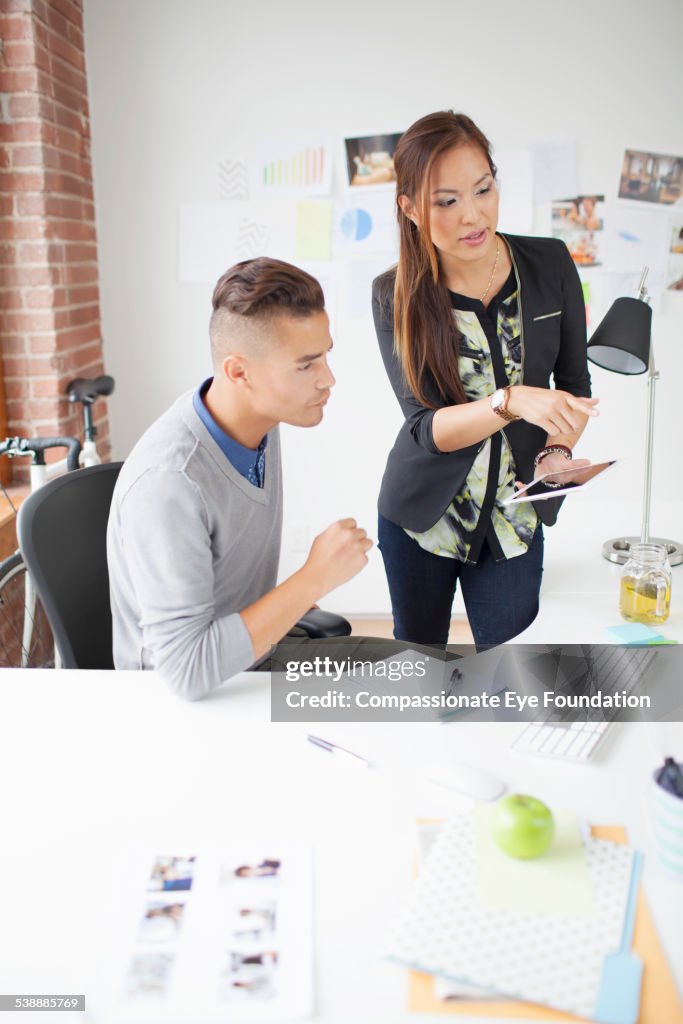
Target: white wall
column 174, row 87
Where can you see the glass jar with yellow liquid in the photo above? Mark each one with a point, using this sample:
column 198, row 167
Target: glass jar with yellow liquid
column 645, row 591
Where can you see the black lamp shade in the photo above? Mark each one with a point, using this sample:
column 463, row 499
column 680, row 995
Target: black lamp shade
column 621, row 341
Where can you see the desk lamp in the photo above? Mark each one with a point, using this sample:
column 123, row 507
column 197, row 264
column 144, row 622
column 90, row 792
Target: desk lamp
column 622, row 343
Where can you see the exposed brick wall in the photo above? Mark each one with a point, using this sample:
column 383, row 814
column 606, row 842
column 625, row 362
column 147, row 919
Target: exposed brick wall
column 49, row 288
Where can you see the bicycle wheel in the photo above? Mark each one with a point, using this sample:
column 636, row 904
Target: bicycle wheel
column 25, row 636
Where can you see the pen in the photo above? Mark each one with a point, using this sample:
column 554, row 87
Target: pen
column 332, row 748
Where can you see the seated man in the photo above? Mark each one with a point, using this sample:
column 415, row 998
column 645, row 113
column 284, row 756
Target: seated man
column 195, row 526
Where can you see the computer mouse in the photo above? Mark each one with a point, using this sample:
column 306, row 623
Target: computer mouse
column 468, row 779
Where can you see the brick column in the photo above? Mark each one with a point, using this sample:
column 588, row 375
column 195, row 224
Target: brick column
column 49, row 292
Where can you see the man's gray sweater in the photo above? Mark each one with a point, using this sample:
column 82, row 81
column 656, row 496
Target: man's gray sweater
column 190, row 543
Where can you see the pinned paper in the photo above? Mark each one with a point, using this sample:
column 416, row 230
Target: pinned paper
column 674, row 271
column 635, row 238
column 586, row 289
column 212, row 238
column 293, row 167
column 674, row 274
column 612, row 286
column 370, row 161
column 651, row 177
column 233, row 179
column 579, row 222
column 516, row 182
column 252, row 238
column 314, row 230
column 555, row 171
column 367, row 224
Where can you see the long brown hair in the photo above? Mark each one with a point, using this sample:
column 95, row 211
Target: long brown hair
column 426, row 337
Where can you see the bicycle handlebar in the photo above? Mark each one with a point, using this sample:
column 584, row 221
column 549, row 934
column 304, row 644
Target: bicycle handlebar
column 83, row 390
column 37, row 446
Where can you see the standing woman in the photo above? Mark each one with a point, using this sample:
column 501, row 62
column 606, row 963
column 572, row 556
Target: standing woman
column 472, row 324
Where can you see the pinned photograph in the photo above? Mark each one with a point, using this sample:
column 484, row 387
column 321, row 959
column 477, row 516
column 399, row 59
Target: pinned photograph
column 148, row 974
column 677, row 237
column 161, row 922
column 579, row 223
column 172, row 874
column 651, row 177
column 674, row 281
column 370, row 160
column 249, row 976
column 261, row 869
column 255, row 923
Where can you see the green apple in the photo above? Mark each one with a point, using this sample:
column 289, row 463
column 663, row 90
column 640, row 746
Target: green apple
column 522, row 826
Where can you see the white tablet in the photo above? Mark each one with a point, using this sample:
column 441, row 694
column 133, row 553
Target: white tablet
column 538, row 491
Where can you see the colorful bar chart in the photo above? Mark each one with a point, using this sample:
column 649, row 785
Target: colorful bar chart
column 305, row 168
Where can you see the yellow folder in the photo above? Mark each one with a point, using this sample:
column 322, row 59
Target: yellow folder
column 659, row 999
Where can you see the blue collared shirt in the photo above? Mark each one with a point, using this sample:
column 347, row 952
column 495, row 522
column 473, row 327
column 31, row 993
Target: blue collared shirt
column 249, row 462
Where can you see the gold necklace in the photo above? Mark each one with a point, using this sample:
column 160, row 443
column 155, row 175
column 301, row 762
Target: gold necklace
column 495, row 264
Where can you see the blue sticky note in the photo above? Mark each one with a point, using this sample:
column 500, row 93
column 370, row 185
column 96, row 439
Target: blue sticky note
column 634, row 633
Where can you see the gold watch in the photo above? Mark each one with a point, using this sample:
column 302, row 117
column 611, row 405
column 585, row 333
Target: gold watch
column 499, row 404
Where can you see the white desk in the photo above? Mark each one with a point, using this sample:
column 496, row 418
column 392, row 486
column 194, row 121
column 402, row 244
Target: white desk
column 89, row 761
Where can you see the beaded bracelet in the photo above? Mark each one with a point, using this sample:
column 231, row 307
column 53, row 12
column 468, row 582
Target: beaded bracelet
column 561, row 449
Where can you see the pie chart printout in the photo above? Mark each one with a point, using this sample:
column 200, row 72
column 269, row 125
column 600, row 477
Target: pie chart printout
column 356, row 224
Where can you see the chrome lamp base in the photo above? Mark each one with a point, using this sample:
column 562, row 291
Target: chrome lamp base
column 618, row 549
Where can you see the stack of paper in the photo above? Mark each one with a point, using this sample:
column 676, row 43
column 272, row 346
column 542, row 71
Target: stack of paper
column 659, row 998
column 537, row 931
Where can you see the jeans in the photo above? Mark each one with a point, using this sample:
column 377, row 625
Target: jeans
column 501, row 598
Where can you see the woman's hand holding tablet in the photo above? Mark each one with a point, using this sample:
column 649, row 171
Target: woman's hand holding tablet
column 572, row 479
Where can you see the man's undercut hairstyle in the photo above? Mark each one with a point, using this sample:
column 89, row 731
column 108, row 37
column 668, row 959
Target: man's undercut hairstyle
column 251, row 294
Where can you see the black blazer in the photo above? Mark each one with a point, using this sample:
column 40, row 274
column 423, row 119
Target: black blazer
column 420, row 481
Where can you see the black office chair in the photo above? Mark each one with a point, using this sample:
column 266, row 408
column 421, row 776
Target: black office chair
column 62, row 532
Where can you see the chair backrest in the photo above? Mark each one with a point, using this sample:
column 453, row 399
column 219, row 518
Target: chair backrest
column 62, row 530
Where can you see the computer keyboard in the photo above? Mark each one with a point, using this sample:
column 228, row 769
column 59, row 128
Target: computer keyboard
column 609, row 669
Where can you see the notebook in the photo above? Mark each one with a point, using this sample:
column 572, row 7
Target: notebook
column 659, row 997
column 547, row 958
